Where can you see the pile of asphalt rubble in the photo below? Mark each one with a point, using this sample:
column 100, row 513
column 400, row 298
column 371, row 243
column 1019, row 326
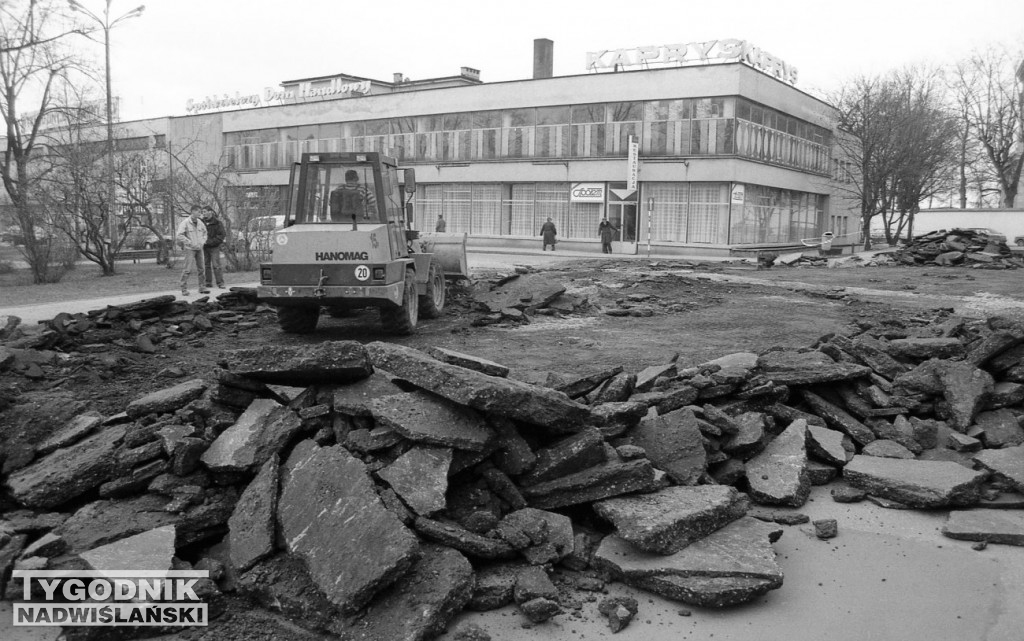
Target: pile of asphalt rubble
column 375, row 491
column 957, row 247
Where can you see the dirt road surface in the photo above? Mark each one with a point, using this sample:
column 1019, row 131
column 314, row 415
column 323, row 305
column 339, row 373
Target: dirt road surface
column 889, row 575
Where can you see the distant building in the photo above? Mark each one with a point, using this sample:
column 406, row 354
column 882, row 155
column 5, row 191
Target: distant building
column 693, row 149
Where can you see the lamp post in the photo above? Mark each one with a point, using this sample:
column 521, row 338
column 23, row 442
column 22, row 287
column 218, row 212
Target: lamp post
column 107, row 24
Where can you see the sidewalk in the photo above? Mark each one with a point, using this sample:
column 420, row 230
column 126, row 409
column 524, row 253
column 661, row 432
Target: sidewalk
column 478, row 257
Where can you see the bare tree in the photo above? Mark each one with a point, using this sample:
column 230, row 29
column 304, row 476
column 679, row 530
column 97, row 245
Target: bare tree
column 992, row 98
column 901, row 140
column 33, row 63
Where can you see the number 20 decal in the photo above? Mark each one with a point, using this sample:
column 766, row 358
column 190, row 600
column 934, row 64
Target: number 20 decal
column 362, row 272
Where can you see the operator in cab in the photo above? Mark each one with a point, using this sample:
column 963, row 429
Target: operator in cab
column 352, row 200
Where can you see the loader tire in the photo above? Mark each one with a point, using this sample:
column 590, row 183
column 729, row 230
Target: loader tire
column 401, row 319
column 298, row 320
column 433, row 299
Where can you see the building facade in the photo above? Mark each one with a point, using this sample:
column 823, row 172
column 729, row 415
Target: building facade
column 690, row 159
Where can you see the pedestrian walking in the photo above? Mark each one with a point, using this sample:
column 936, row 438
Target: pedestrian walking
column 191, row 234
column 606, row 231
column 548, row 234
column 215, row 235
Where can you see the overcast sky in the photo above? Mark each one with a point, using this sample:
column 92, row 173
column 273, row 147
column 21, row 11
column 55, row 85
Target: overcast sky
column 182, row 49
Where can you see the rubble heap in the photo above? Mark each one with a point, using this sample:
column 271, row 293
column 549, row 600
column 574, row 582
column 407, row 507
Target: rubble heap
column 962, row 247
column 373, row 492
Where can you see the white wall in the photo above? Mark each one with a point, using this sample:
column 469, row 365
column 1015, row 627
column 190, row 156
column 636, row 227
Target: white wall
column 1005, row 221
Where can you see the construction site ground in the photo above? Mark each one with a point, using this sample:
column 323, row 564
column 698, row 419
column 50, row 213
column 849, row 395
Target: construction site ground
column 888, row 575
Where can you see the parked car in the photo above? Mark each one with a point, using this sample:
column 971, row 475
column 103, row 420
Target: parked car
column 993, row 235
column 258, row 234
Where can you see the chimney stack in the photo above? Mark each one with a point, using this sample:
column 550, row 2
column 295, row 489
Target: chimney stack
column 398, row 78
column 543, row 58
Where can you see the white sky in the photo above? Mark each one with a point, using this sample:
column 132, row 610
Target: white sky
column 182, row 49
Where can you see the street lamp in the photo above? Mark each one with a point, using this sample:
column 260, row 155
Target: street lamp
column 107, row 24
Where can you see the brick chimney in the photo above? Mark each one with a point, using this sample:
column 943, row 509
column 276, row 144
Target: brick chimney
column 543, row 58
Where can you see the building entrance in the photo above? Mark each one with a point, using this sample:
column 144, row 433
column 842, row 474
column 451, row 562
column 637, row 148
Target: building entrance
column 622, row 215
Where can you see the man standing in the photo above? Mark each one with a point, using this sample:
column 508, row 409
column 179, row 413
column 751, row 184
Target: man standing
column 192, row 236
column 606, row 231
column 211, row 248
column 441, row 224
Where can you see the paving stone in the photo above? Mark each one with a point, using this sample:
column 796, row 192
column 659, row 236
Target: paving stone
column 69, row 472
column 965, row 388
column 425, row 418
column 252, row 526
column 831, row 446
column 495, row 587
column 548, row 535
column 167, row 400
column 420, row 478
column 592, row 484
column 78, row 428
column 778, row 475
column 923, row 348
column 329, row 514
column 733, row 565
column 469, row 543
column 916, row 483
column 673, row 443
column 468, row 361
column 325, row 363
column 261, row 431
column 353, row 399
column 533, row 582
column 992, row 526
column 666, row 521
column 152, row 550
column 1007, row 463
column 507, row 397
column 749, row 438
column 422, row 604
column 837, row 418
column 570, row 454
column 887, row 449
column 806, row 368
column 1000, row 429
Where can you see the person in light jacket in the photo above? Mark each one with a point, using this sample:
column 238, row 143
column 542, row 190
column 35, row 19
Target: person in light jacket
column 192, row 236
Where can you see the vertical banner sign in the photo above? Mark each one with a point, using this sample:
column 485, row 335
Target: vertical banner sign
column 634, row 164
column 650, row 215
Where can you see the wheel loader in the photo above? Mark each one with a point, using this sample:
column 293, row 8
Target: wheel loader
column 346, row 245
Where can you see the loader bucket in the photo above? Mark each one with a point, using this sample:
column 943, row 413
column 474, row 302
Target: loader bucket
column 450, row 252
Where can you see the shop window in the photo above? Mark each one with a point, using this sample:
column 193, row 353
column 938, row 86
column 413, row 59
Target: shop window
column 588, row 113
column 553, row 115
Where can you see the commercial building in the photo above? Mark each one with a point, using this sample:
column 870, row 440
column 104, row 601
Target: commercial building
column 699, row 148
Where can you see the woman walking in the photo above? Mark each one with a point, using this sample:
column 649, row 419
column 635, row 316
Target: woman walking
column 548, row 232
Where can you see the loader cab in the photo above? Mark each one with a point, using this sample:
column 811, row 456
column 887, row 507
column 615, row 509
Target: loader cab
column 353, row 191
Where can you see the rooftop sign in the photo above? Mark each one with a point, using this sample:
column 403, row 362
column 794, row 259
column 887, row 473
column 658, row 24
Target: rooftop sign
column 288, row 94
column 694, row 53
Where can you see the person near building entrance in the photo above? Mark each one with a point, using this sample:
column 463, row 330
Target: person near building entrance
column 441, row 224
column 606, row 231
column 548, row 233
column 191, row 234
column 352, row 200
column 211, row 248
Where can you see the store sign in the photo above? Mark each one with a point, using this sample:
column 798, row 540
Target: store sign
column 288, row 94
column 587, row 193
column 694, row 53
column 739, row 194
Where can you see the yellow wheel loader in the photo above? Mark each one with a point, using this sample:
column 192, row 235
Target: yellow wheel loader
column 346, row 245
